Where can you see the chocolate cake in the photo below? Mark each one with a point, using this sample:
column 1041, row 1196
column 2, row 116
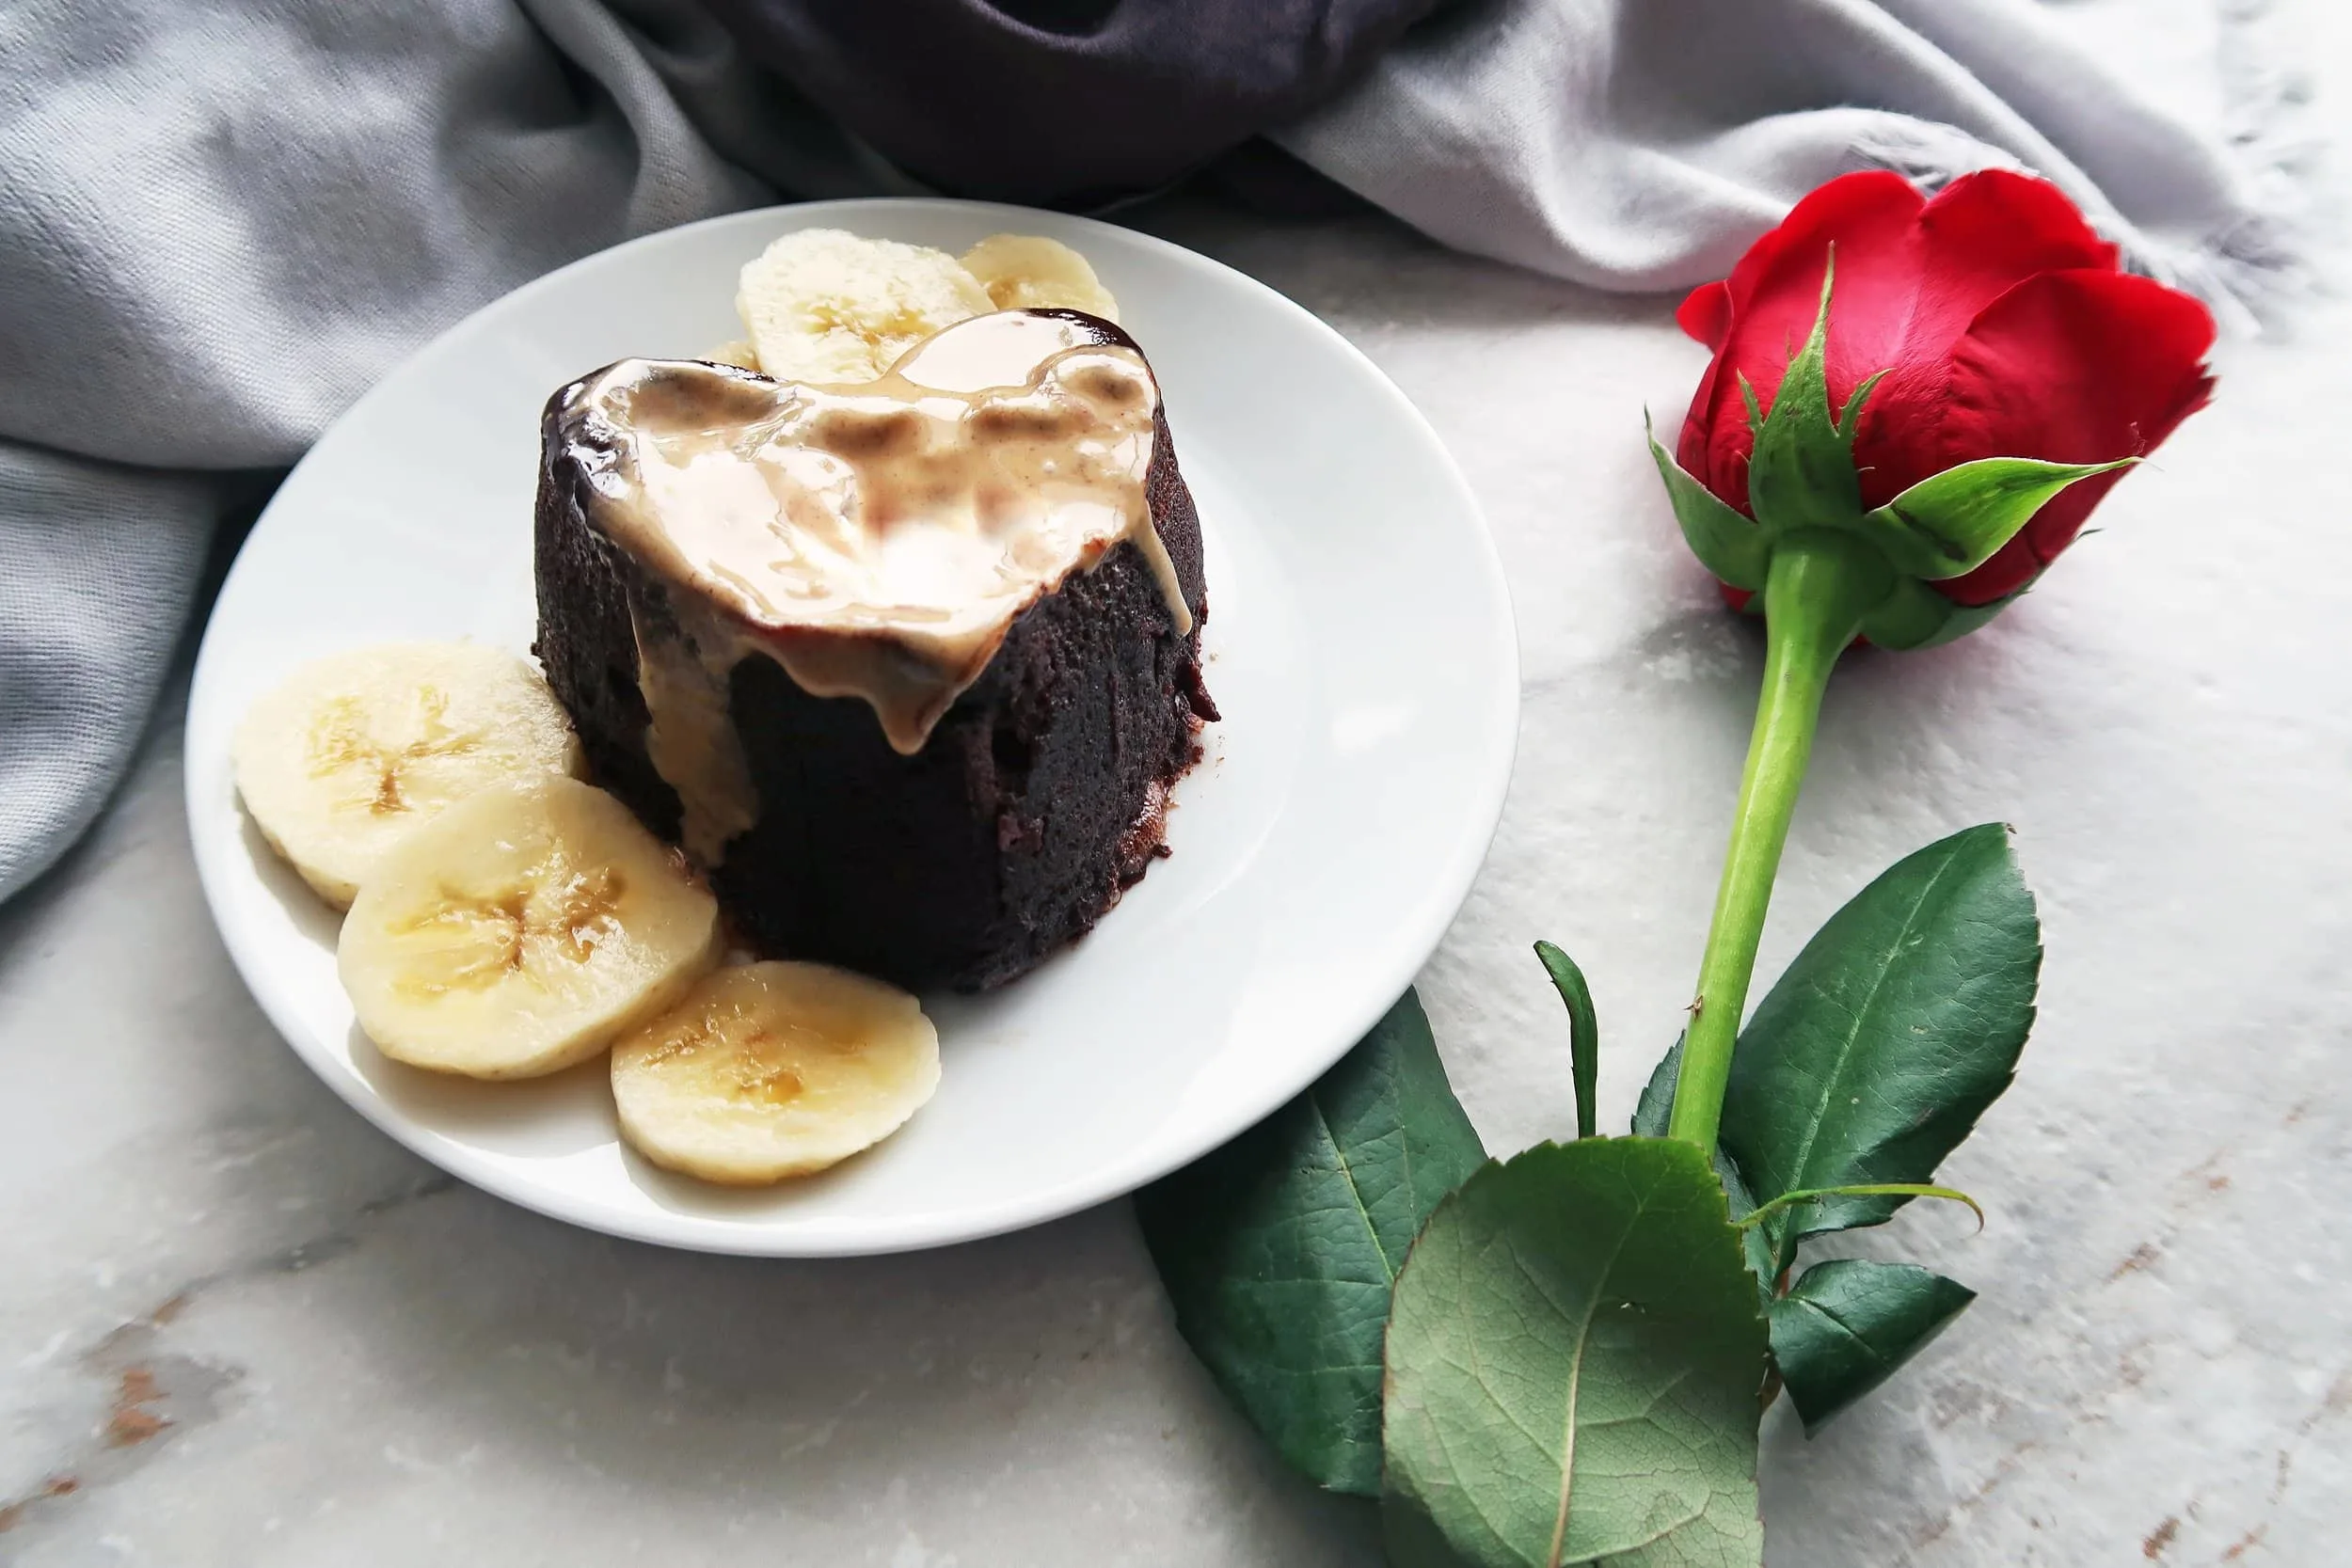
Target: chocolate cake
column 908, row 668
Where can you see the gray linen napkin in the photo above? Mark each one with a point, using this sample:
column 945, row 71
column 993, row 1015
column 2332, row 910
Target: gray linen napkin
column 1643, row 144
column 221, row 223
column 218, row 225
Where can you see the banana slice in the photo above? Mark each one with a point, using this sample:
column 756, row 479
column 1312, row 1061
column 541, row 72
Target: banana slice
column 520, row 930
column 357, row 748
column 1023, row 272
column 826, row 306
column 773, row 1070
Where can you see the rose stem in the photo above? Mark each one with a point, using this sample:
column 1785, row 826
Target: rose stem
column 1815, row 594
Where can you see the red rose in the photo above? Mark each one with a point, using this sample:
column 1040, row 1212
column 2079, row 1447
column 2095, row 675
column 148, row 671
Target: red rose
column 2006, row 327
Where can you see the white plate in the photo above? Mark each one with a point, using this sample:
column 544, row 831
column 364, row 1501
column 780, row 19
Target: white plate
column 1360, row 642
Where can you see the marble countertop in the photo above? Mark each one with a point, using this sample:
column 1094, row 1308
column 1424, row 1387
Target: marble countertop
column 239, row 1326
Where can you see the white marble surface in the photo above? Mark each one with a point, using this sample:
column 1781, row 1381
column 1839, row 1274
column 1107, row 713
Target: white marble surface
column 237, row 1326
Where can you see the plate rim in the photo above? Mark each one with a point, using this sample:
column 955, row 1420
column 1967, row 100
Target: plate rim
column 1450, row 888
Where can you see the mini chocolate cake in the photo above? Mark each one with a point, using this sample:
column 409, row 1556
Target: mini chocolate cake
column 909, row 668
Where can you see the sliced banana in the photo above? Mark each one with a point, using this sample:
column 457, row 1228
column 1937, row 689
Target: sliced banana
column 773, row 1070
column 1028, row 272
column 520, row 930
column 356, row 748
column 826, row 306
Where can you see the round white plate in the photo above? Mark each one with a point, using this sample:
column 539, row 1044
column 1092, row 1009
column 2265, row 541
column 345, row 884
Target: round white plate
column 1360, row 642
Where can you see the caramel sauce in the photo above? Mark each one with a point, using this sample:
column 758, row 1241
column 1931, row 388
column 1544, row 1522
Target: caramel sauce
column 877, row 541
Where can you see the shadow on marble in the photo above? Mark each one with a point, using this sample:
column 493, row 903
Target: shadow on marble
column 308, row 913
column 686, row 1195
column 562, row 1113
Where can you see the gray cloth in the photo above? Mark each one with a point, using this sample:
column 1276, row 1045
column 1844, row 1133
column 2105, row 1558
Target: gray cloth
column 1643, row 144
column 218, row 225
column 221, row 223
column 1065, row 102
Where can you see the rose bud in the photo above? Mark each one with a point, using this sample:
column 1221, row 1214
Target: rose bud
column 1985, row 322
column 1914, row 404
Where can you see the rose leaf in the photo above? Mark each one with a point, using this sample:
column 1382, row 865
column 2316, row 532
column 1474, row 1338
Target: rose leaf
column 1574, row 1360
column 1877, row 1051
column 1279, row 1250
column 1845, row 1327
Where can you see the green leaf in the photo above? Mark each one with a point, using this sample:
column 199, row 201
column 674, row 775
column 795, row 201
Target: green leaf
column 1900, row 1023
column 1655, row 1108
column 1574, row 1361
column 1651, row 1114
column 1727, row 543
column 1800, row 473
column 1279, row 1250
column 1952, row 522
column 1846, row 1325
column 1584, row 1033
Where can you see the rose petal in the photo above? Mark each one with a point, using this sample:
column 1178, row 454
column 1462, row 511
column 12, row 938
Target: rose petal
column 1850, row 210
column 1973, row 241
column 1980, row 237
column 1913, row 273
column 2083, row 366
column 1706, row 313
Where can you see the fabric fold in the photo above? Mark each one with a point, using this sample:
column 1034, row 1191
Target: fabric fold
column 1064, row 103
column 102, row 563
column 219, row 225
column 1645, row 145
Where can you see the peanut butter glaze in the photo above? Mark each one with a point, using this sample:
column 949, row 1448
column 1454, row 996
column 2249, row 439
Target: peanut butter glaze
column 877, row 541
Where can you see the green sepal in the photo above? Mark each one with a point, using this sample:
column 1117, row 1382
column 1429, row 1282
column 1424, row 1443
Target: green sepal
column 1912, row 615
column 1850, row 422
column 1951, row 523
column 1845, row 1327
column 1727, row 543
column 1800, row 473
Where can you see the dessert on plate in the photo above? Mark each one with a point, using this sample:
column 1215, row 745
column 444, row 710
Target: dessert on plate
column 898, row 635
column 887, row 620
